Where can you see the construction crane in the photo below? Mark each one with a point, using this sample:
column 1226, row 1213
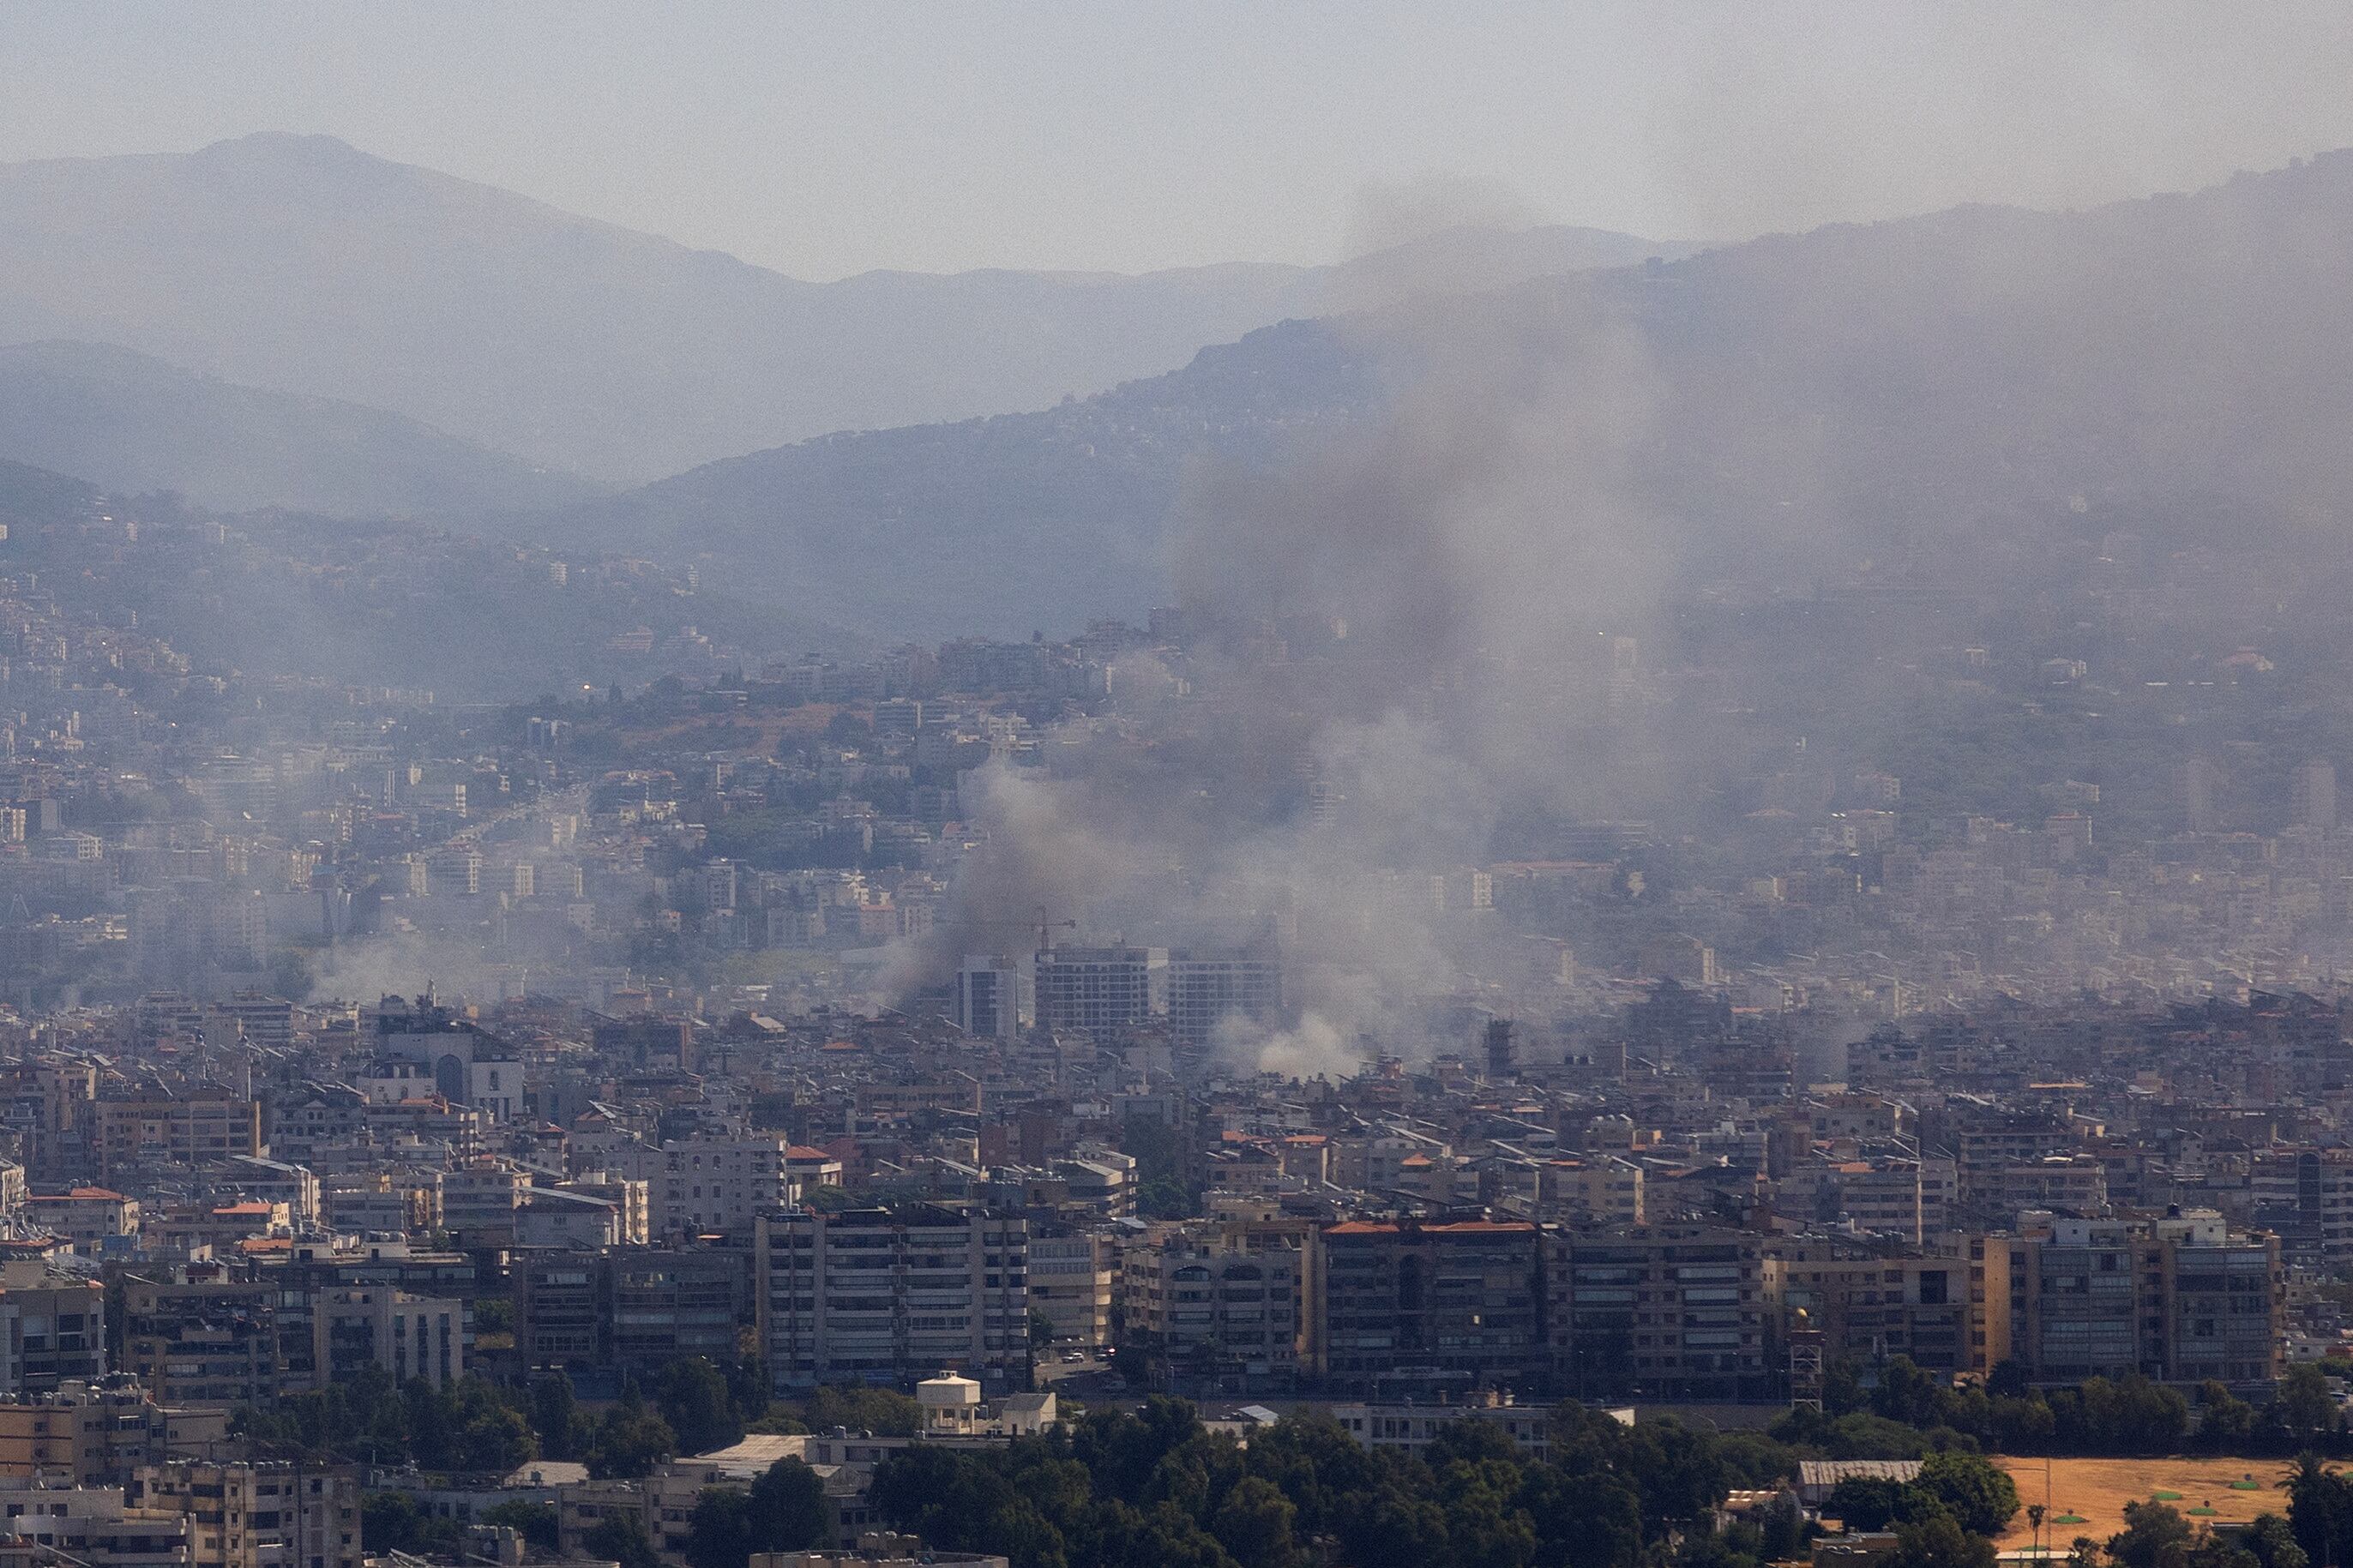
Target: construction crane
column 1042, row 925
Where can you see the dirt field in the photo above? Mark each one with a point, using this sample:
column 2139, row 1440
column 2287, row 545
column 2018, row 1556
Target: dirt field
column 2099, row 1488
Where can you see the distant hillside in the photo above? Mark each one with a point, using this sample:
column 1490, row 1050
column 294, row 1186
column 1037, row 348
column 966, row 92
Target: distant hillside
column 377, row 603
column 33, row 496
column 1923, row 388
column 1020, row 522
column 299, row 264
column 133, row 424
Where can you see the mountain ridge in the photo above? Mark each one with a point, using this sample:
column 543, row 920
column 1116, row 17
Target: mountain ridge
column 304, row 264
column 1924, row 385
column 130, row 423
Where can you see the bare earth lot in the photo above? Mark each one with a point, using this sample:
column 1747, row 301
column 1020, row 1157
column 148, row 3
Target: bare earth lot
column 2099, row 1488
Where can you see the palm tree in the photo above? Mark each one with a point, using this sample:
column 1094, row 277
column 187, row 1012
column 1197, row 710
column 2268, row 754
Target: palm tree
column 2316, row 1506
column 2034, row 1517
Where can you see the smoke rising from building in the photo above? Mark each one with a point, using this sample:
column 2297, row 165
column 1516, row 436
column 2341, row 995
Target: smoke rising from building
column 1404, row 633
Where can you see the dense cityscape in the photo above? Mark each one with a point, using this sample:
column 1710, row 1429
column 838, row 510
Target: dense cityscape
column 1537, row 898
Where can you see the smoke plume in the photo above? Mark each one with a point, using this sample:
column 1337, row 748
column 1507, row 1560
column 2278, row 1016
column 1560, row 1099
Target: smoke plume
column 1410, row 630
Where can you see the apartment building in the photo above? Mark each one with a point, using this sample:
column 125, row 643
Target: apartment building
column 1987, row 1142
column 93, row 1525
column 204, row 1341
column 2063, row 1184
column 52, row 1331
column 94, row 1435
column 1411, row 1428
column 1597, row 1190
column 408, row 1336
column 1407, row 1302
column 1217, row 1302
column 1206, row 988
column 889, row 1296
column 2181, row 1299
column 88, row 1217
column 271, row 1515
column 1071, row 1279
column 722, row 1183
column 208, row 1124
column 1098, row 991
column 630, row 1313
column 478, row 1203
column 1947, row 1314
column 1666, row 1311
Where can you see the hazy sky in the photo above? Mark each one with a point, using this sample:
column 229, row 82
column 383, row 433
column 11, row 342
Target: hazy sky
column 826, row 138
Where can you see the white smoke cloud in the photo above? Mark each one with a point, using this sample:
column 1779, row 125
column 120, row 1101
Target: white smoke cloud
column 1442, row 580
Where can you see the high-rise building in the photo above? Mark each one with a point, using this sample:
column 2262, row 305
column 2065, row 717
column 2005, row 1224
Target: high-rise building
column 2313, row 786
column 1947, row 1313
column 2306, row 1196
column 1446, row 1303
column 2181, row 1299
column 1071, row 1277
column 629, row 1312
column 52, row 1331
column 988, row 997
column 2199, row 785
column 204, row 1341
column 1217, row 1302
column 1099, row 990
column 408, row 1336
column 889, row 1296
column 1206, row 988
column 1676, row 1311
column 1503, row 1064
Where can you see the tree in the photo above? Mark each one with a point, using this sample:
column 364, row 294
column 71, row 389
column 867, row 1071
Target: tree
column 1254, row 1523
column 1586, row 1520
column 2225, row 1422
column 789, row 1512
column 718, row 1534
column 496, row 1441
column 2273, row 1545
column 884, row 1412
column 1397, row 1532
column 1863, row 1436
column 2304, row 1401
column 392, row 1521
column 1865, row 1502
column 2319, row 1508
column 1979, row 1492
column 1470, row 1443
column 629, row 1444
column 2154, row 1536
column 2009, row 1379
column 1939, row 1541
column 534, row 1522
column 556, row 1416
column 747, row 1385
column 389, row 1521
column 1909, row 1393
column 695, row 1398
column 622, row 1540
